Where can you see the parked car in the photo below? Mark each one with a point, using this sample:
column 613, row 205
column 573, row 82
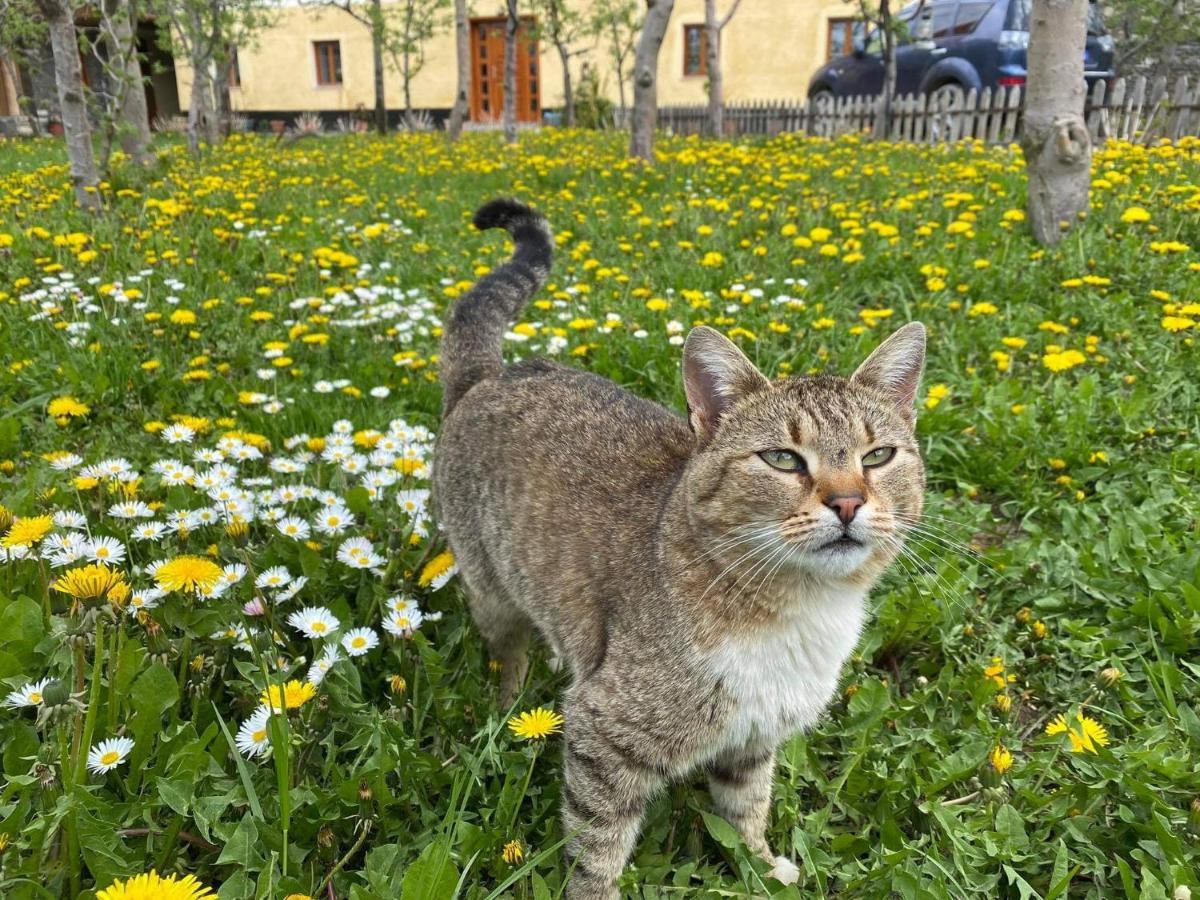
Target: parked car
column 947, row 47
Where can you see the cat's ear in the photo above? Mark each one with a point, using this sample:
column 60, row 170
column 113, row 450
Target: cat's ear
column 896, row 365
column 716, row 374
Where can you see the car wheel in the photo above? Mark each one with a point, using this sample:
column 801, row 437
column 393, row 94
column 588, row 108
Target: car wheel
column 947, row 101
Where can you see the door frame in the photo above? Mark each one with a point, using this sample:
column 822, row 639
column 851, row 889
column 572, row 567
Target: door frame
column 528, row 25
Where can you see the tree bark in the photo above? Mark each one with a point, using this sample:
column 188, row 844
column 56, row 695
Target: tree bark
column 223, row 109
column 564, row 54
column 134, row 120
column 200, row 111
column 1058, row 149
column 381, row 122
column 510, row 73
column 462, row 43
column 716, row 81
column 645, row 79
column 68, row 78
column 883, row 114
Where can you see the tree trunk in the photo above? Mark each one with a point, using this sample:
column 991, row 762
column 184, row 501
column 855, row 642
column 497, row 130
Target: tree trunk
column 462, row 43
column 200, row 110
column 223, row 111
column 564, row 54
column 377, row 27
column 616, row 38
column 645, row 79
column 883, row 114
column 68, row 78
column 121, row 43
column 1058, row 149
column 716, row 81
column 510, row 73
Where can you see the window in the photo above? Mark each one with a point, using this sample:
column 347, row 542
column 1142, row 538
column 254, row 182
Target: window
column 969, row 14
column 943, row 19
column 235, row 70
column 841, row 38
column 329, row 61
column 695, row 50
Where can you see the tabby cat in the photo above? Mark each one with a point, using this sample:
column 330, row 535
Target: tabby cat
column 704, row 579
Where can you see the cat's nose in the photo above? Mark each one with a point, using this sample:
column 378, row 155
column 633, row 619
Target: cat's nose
column 845, row 505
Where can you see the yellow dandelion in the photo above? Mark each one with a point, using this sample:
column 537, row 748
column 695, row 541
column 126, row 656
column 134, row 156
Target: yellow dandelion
column 1000, row 759
column 26, row 532
column 295, row 694
column 93, row 582
column 152, row 886
column 513, row 853
column 188, row 573
column 535, row 724
column 67, row 408
column 1087, row 736
column 439, row 565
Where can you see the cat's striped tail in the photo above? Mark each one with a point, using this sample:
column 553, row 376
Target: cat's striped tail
column 474, row 331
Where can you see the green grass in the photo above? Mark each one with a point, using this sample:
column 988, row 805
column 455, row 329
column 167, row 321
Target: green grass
column 1067, row 500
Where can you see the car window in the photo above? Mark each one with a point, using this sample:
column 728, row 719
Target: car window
column 1018, row 17
column 969, row 14
column 943, row 19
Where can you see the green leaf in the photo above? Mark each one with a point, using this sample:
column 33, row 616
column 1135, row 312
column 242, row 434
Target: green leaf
column 358, row 501
column 241, row 849
column 723, row 833
column 176, row 793
column 432, row 877
column 1011, row 828
column 21, row 625
column 243, row 771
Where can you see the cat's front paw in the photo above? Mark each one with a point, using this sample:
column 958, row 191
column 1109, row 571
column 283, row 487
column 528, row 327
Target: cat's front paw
column 784, row 871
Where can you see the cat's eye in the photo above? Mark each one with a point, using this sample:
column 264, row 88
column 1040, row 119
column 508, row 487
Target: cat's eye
column 878, row 457
column 783, row 460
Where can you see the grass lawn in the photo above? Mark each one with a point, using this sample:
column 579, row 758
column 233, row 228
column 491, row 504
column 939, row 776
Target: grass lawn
column 217, row 408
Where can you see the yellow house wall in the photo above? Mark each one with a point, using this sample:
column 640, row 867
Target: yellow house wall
column 770, row 48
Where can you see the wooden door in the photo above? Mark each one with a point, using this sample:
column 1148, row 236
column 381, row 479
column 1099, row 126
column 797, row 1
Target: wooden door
column 487, row 71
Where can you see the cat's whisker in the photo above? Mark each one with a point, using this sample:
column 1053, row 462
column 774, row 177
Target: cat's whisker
column 784, row 556
column 926, row 569
column 750, row 554
column 757, row 530
column 938, row 546
column 760, row 566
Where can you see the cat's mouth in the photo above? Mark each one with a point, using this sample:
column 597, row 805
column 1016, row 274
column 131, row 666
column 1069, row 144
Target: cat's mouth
column 843, row 542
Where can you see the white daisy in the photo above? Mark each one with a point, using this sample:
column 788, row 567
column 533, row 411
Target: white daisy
column 358, row 641
column 30, row 695
column 233, row 573
column 144, row 598
column 403, row 624
column 358, row 553
column 314, row 621
column 292, row 589
column 293, row 527
column 130, row 509
column 334, row 520
column 148, row 531
column 177, row 434
column 274, row 577
column 253, row 738
column 106, row 550
column 70, row 518
column 413, row 502
column 319, row 669
column 65, row 461
column 107, row 755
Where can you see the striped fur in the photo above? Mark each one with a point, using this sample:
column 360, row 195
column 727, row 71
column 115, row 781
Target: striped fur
column 474, row 334
column 703, row 601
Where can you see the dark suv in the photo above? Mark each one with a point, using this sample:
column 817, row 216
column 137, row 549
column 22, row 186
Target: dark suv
column 947, row 47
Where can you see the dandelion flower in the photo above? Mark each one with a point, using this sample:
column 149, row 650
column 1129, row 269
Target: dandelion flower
column 107, row 755
column 1000, row 759
column 1087, row 736
column 295, row 694
column 314, row 621
column 535, row 724
column 26, row 532
column 94, row 582
column 29, row 695
column 152, row 886
column 512, row 853
column 438, row 571
column 359, row 641
column 188, row 573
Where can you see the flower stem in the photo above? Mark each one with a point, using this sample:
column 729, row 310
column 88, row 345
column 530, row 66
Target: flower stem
column 89, row 724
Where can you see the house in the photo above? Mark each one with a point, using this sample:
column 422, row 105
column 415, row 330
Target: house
column 319, row 59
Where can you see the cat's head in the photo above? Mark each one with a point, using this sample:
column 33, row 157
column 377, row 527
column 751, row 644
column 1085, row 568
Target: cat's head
column 818, row 475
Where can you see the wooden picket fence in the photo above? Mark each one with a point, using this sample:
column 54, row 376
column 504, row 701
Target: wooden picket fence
column 1128, row 109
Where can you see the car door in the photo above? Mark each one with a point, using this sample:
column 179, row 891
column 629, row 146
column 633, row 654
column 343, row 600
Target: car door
column 862, row 71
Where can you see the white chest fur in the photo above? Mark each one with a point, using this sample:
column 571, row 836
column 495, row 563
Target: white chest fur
column 782, row 678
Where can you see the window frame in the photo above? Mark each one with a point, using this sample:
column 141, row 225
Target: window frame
column 233, row 76
column 331, row 52
column 849, row 22
column 702, row 71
